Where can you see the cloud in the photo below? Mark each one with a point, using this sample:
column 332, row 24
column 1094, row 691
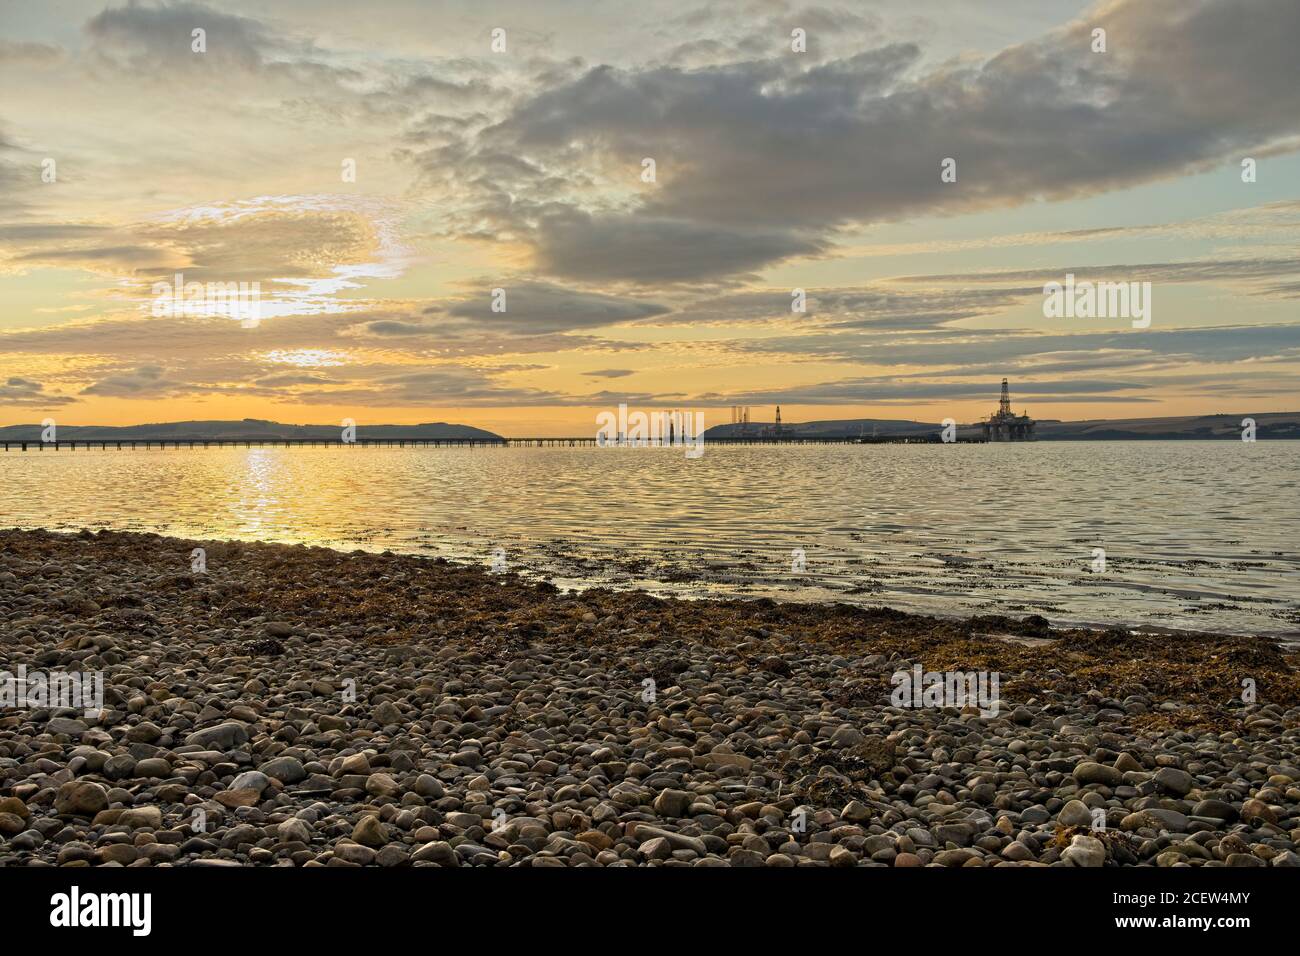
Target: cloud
column 451, row 385
column 291, row 379
column 22, row 391
column 1245, row 268
column 159, row 38
column 273, row 237
column 1278, row 220
column 882, row 390
column 28, row 232
column 386, row 328
column 611, row 373
column 300, row 251
column 126, row 337
column 762, row 160
column 24, row 53
column 147, row 381
column 879, row 307
column 533, row 307
column 269, row 71
column 127, row 259
column 648, row 249
column 14, row 179
column 131, row 338
column 955, row 349
column 740, row 32
column 537, row 316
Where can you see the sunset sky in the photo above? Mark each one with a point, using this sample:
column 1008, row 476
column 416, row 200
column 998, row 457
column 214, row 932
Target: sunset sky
column 521, row 169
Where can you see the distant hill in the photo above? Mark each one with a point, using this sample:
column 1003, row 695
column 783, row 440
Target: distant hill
column 1268, row 425
column 839, row 428
column 249, row 429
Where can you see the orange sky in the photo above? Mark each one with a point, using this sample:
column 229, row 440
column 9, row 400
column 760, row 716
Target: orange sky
column 426, row 228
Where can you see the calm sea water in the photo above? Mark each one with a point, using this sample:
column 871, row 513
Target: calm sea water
column 1198, row 535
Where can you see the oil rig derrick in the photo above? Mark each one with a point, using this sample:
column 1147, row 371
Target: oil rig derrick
column 1004, row 424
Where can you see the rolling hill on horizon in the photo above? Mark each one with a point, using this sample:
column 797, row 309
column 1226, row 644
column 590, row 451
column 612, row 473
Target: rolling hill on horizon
column 1268, row 425
column 247, row 429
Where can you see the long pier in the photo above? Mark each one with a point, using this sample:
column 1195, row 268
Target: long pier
column 133, row 444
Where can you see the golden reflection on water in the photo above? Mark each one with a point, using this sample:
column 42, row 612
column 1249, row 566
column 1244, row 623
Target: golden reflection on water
column 256, row 494
column 1197, row 534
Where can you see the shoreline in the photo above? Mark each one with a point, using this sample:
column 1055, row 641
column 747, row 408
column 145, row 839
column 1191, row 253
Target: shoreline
column 690, row 580
column 498, row 721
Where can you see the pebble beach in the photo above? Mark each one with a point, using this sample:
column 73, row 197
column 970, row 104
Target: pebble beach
column 297, row 706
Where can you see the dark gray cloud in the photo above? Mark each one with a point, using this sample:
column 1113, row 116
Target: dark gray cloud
column 959, row 348
column 534, row 310
column 26, row 392
column 147, row 381
column 204, row 376
column 244, row 57
column 390, row 328
column 649, row 249
column 25, row 232
column 880, row 308
column 443, row 385
column 127, row 258
column 878, row 390
column 765, row 159
column 533, row 307
column 154, row 39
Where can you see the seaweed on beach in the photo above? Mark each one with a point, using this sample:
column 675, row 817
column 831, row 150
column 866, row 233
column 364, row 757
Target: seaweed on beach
column 401, row 599
column 835, row 777
column 1120, row 847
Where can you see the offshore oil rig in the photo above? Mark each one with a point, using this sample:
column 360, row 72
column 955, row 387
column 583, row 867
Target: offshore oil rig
column 740, row 416
column 1005, row 425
